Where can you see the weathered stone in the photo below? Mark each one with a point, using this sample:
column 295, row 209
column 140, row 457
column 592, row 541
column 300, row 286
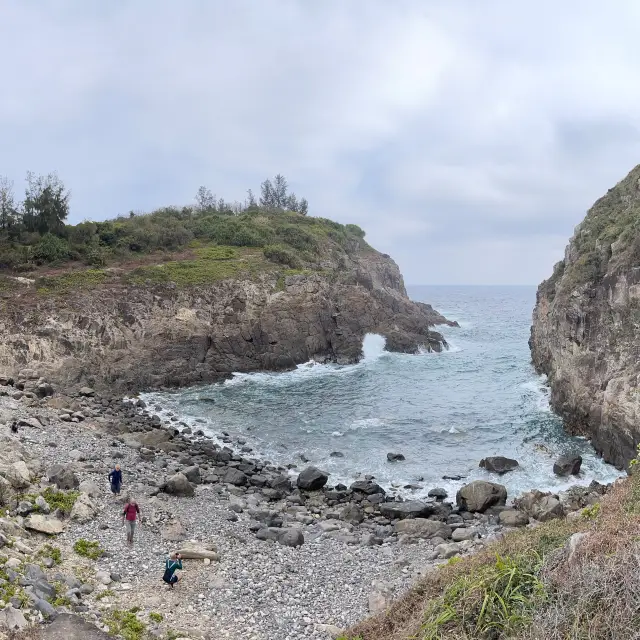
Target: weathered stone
column 43, row 524
column 479, row 495
column 83, row 510
column 367, row 487
column 193, row 551
column 423, row 528
column 395, row 457
column 235, row 477
column 513, row 518
column 178, row 485
column 352, row 514
column 540, row 506
column 567, row 465
column 312, row 479
column 193, row 474
column 63, row 477
column 498, row 464
column 72, row 627
column 409, row 509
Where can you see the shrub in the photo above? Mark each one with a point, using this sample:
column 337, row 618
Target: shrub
column 281, row 255
column 125, row 624
column 156, row 617
column 63, row 500
column 50, row 249
column 88, row 549
column 51, row 551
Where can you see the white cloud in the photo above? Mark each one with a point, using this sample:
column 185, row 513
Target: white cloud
column 470, row 127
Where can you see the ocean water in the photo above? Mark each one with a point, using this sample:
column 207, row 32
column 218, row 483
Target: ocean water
column 444, row 412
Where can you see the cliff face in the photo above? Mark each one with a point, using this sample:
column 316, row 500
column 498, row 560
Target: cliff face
column 586, row 326
column 144, row 336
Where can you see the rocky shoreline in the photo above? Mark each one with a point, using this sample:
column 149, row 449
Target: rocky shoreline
column 272, row 557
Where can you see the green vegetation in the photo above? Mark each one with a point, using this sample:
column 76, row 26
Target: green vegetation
column 613, row 219
column 51, row 551
column 156, row 617
column 532, row 585
column 125, row 624
column 189, row 245
column 107, row 593
column 88, row 549
column 56, row 499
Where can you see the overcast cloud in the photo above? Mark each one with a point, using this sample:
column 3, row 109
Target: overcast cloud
column 468, row 138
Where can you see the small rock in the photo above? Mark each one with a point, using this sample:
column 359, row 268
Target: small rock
column 395, row 457
column 567, row 465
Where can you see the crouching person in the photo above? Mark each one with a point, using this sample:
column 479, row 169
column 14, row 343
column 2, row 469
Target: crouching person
column 173, row 563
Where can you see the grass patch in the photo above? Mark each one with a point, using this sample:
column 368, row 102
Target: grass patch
column 56, row 499
column 107, row 593
column 88, row 549
column 125, row 624
column 156, row 617
column 87, row 279
column 51, row 551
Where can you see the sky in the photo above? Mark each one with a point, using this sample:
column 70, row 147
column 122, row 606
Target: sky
column 467, row 138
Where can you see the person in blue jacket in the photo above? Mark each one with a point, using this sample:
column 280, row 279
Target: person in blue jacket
column 171, row 564
column 115, row 478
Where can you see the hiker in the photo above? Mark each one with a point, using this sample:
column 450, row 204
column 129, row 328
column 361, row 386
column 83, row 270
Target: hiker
column 115, row 478
column 171, row 564
column 130, row 514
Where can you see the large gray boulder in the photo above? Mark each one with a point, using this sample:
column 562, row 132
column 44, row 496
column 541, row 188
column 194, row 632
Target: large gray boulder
column 312, row 479
column 352, row 514
column 178, row 485
column 71, row 627
column 367, row 487
column 235, row 477
column 479, row 495
column 43, row 524
column 410, row 509
column 540, row 506
column 513, row 518
column 63, row 477
column 498, row 464
column 423, row 528
column 84, row 510
column 567, row 465
column 193, row 474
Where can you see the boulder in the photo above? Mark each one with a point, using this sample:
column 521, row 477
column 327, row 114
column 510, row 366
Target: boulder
column 193, row 474
column 12, row 619
column 567, row 465
column 43, row 524
column 235, row 477
column 463, row 533
column 438, row 493
column 178, row 485
column 395, row 457
column 90, row 488
column 63, row 477
column 513, row 518
column 312, row 479
column 352, row 514
column 479, row 495
column 498, row 464
column 87, row 392
column 17, row 474
column 540, row 506
column 423, row 528
column 72, row 627
column 367, row 487
column 409, row 509
column 193, row 551
column 291, row 537
column 281, row 483
column 83, row 509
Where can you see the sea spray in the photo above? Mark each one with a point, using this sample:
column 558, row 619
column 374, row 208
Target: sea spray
column 443, row 413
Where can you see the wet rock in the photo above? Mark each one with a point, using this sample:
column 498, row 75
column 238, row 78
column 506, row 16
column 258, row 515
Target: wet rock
column 395, row 457
column 567, row 465
column 312, row 479
column 367, row 487
column 498, row 464
column 235, row 477
column 438, row 493
column 479, row 495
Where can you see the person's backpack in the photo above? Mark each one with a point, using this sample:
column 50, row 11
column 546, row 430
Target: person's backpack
column 168, row 572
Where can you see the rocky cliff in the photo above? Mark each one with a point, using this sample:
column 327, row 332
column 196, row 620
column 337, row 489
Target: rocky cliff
column 112, row 331
column 586, row 325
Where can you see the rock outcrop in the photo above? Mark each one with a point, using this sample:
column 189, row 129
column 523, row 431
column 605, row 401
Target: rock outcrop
column 128, row 337
column 586, row 326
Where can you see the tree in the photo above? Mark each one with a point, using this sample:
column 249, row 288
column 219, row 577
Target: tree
column 205, row 200
column 267, row 194
column 292, row 202
column 251, row 200
column 280, row 191
column 46, row 204
column 303, row 207
column 8, row 211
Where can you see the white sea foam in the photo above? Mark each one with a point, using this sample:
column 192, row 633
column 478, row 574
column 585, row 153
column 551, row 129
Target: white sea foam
column 539, row 392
